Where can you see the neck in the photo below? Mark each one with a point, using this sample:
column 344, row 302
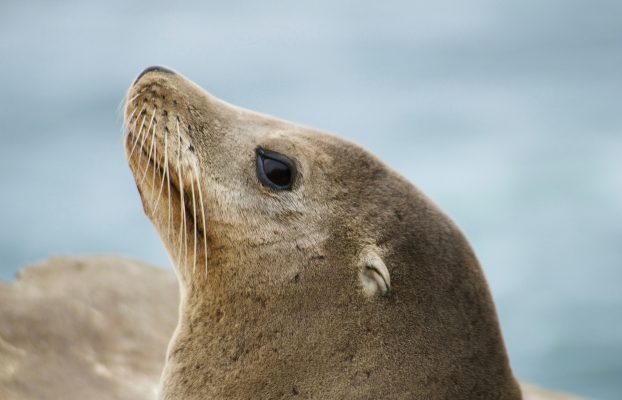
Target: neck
column 232, row 342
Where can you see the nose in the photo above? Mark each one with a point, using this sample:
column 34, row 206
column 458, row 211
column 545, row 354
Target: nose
column 154, row 68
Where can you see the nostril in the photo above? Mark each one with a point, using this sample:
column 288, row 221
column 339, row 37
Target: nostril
column 154, row 68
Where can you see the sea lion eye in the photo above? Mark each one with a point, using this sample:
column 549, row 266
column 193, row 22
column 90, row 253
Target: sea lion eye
column 275, row 170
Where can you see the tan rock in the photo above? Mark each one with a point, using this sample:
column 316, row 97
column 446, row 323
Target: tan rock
column 85, row 328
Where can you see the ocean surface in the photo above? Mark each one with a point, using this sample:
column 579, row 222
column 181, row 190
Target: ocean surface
column 507, row 114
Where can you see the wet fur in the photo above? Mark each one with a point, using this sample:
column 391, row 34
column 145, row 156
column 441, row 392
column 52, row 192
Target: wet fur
column 275, row 308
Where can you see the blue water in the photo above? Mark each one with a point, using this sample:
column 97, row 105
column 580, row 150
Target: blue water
column 508, row 114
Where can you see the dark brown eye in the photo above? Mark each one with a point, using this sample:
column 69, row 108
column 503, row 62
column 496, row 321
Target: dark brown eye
column 275, row 170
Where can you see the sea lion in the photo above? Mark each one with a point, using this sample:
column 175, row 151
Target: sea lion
column 307, row 267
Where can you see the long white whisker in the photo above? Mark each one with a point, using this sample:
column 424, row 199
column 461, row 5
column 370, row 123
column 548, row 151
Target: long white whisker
column 151, row 152
column 182, row 222
column 194, row 213
column 168, row 179
column 142, row 113
column 155, row 158
column 142, row 142
column 185, row 231
column 133, row 98
column 122, row 102
column 203, row 220
column 129, row 118
column 125, row 101
column 140, row 133
column 128, row 126
column 164, row 175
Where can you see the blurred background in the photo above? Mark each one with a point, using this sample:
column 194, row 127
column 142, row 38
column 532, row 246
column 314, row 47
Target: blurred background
column 507, row 114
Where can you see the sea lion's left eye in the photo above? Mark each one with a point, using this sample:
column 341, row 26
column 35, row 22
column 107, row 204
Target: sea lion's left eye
column 275, row 170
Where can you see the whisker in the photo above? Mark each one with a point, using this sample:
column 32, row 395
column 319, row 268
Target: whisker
column 129, row 118
column 182, row 222
column 129, row 127
column 164, row 175
column 142, row 142
column 151, row 133
column 168, row 179
column 194, row 212
column 125, row 101
column 122, row 102
column 203, row 220
column 185, row 231
column 140, row 132
column 151, row 147
column 155, row 158
column 133, row 98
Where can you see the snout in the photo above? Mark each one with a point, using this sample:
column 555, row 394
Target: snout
column 154, row 69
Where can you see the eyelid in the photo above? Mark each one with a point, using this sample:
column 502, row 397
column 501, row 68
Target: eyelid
column 261, row 153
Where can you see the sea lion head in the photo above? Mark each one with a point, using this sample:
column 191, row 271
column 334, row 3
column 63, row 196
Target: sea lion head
column 307, row 267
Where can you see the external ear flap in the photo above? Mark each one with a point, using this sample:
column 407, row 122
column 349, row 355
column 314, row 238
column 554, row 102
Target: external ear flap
column 374, row 274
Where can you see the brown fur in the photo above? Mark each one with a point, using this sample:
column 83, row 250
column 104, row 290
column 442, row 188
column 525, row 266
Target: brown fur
column 281, row 312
